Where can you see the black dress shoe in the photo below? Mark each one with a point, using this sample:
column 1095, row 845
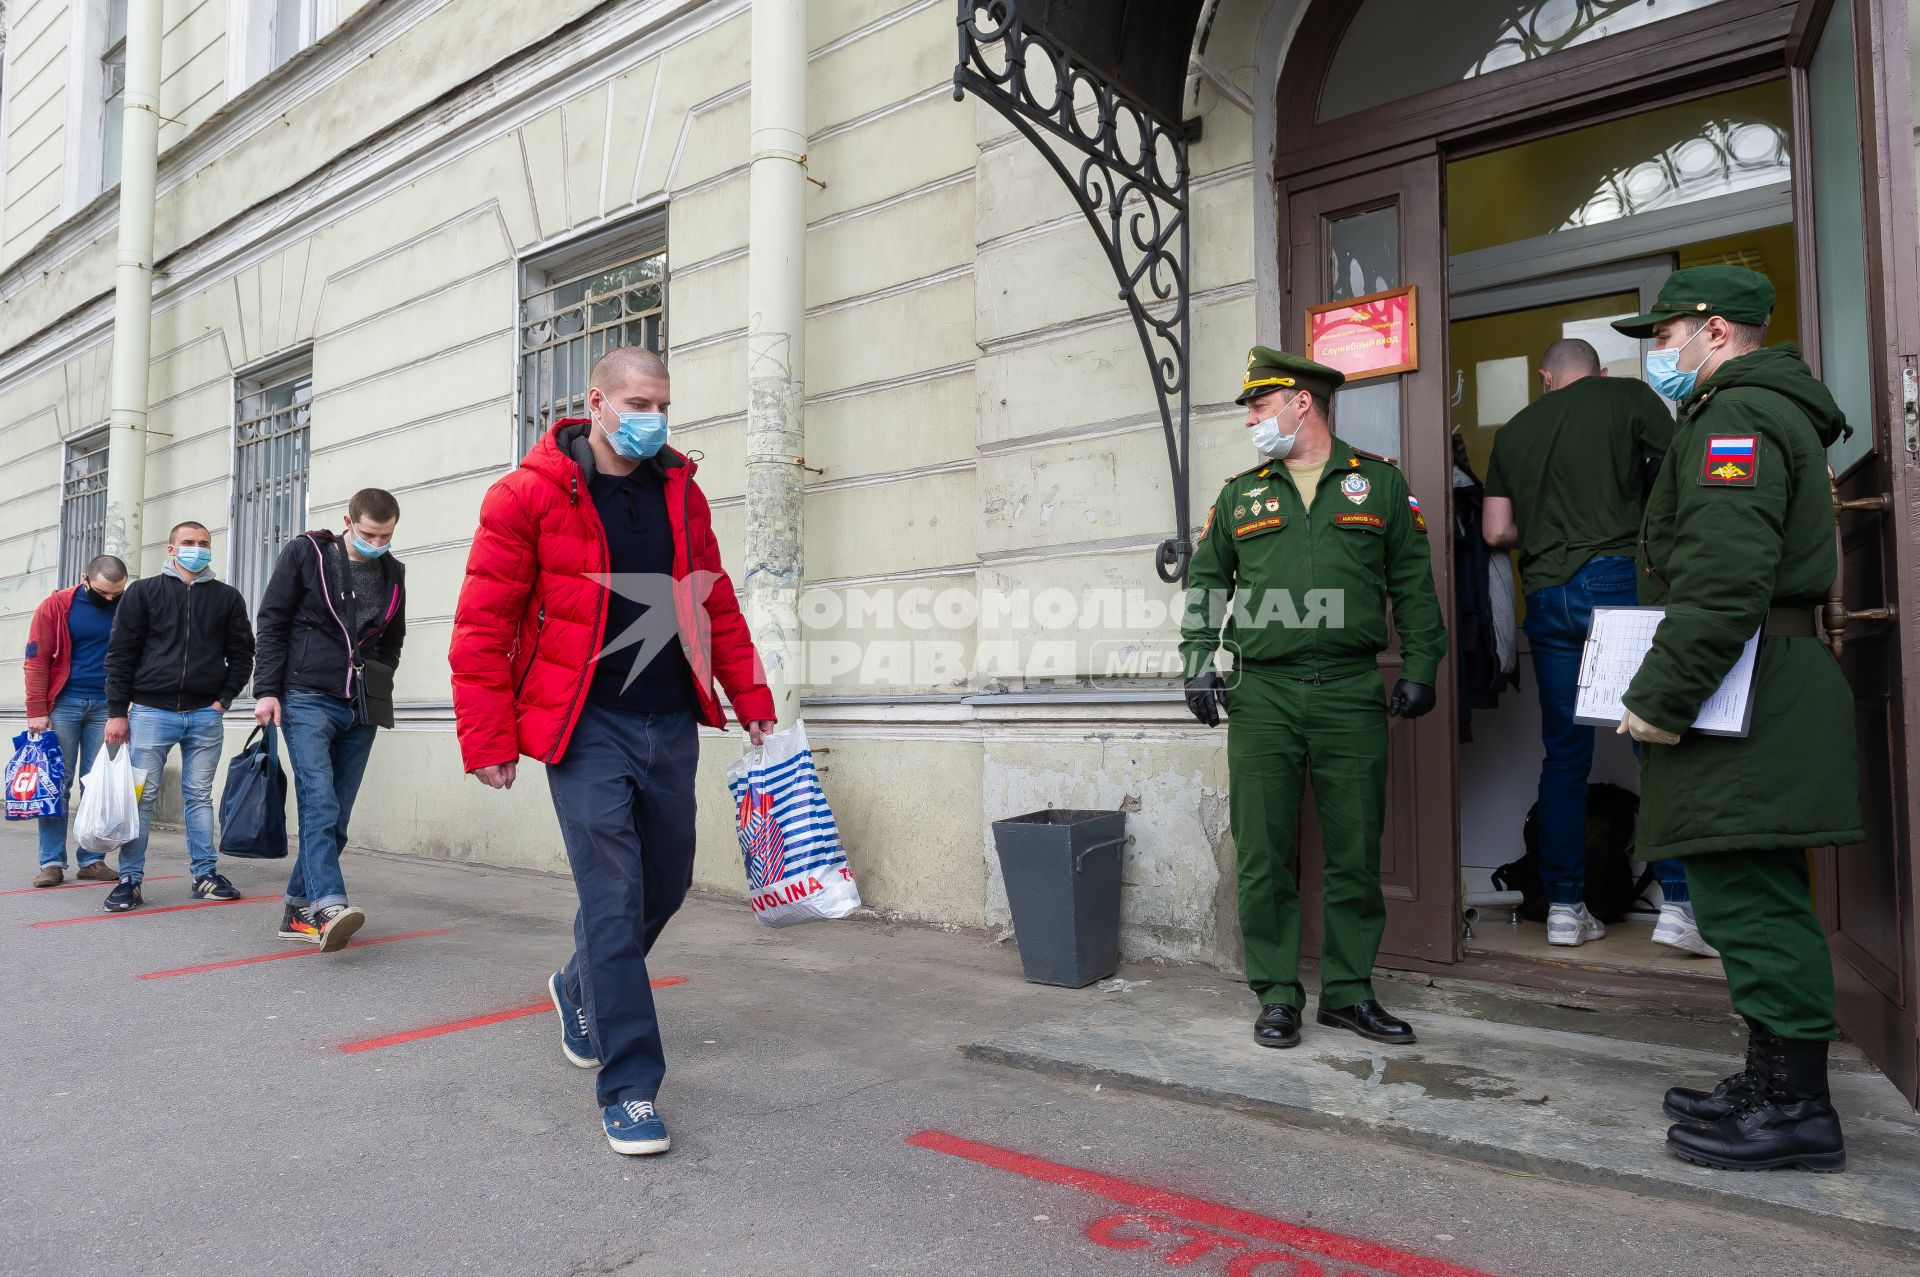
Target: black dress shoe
column 1370, row 1020
column 1278, row 1025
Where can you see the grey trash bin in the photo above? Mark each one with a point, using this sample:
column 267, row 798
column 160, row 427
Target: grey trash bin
column 1062, row 870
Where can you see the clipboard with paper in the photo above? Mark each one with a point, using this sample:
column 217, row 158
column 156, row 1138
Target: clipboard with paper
column 1618, row 641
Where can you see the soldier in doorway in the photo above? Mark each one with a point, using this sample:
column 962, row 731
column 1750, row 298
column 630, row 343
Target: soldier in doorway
column 1305, row 550
column 1568, row 485
column 1739, row 538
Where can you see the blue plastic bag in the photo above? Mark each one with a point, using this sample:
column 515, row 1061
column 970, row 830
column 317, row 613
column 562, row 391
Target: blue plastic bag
column 36, row 777
column 253, row 810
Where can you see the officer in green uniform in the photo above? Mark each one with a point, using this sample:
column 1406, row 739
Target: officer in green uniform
column 1300, row 556
column 1739, row 536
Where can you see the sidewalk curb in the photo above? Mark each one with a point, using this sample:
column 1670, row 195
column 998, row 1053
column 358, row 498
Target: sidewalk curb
column 1513, row 1161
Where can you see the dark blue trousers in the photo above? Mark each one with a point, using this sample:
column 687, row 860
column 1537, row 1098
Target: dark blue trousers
column 624, row 795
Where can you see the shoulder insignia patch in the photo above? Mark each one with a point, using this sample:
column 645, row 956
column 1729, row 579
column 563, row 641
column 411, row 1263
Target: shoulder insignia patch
column 1419, row 520
column 1371, row 456
column 1730, row 461
column 1259, row 525
column 1208, row 526
column 1359, row 519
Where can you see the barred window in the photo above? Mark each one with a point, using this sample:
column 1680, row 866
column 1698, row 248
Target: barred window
column 83, row 505
column 269, row 470
column 578, row 303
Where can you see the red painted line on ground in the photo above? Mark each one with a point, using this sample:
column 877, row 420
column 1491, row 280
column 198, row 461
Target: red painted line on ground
column 475, row 1022
column 1194, row 1209
column 307, row 951
column 90, row 882
column 143, row 911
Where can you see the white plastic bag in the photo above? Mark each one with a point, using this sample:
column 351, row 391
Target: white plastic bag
column 107, row 817
column 796, row 869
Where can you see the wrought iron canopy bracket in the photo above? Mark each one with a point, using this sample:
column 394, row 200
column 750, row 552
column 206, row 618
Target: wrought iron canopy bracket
column 1131, row 184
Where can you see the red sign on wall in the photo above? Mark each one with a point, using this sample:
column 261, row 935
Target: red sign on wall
column 1369, row 336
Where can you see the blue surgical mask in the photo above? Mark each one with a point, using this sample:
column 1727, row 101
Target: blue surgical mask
column 1663, row 370
column 193, row 558
column 641, row 434
column 366, row 551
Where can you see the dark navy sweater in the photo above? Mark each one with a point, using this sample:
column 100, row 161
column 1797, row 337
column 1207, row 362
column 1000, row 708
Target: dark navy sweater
column 640, row 616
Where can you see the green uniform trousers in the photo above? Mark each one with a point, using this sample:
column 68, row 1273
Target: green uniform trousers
column 1756, row 908
column 1280, row 733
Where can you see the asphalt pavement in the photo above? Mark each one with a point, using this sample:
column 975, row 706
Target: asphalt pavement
column 403, row 1108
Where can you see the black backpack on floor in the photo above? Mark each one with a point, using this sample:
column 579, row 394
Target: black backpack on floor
column 1612, row 889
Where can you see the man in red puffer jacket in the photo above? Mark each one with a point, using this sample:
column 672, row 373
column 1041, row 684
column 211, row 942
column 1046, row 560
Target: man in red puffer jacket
column 593, row 621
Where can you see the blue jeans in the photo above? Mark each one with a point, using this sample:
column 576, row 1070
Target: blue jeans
column 624, row 795
column 1557, row 620
column 199, row 735
column 79, row 724
column 329, row 752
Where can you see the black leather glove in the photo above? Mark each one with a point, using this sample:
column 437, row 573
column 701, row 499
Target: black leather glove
column 1410, row 700
column 1207, row 696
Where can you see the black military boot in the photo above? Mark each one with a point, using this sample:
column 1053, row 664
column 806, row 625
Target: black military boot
column 1685, row 1104
column 1788, row 1120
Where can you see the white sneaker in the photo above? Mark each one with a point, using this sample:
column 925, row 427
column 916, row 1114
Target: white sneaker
column 1677, row 930
column 1572, row 925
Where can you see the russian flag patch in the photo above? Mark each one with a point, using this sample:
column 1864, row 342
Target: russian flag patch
column 1419, row 520
column 1730, row 461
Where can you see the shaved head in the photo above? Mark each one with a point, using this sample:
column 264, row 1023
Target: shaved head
column 624, row 365
column 1570, row 359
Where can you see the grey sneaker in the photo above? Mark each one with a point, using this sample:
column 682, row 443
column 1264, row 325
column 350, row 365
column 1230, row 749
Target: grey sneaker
column 1572, row 925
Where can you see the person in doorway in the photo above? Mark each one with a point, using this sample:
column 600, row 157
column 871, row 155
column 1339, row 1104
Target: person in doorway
column 1739, row 539
column 181, row 651
column 593, row 620
column 1307, row 547
column 1568, row 485
column 66, row 676
column 335, row 607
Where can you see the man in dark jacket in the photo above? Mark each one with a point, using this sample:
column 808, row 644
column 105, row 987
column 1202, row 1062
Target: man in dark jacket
column 331, row 627
column 180, row 653
column 1739, row 538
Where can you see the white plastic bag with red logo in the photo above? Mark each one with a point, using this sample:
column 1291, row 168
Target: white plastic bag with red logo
column 796, row 868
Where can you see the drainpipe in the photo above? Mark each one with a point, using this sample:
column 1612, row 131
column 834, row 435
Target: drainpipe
column 776, row 341
column 133, row 287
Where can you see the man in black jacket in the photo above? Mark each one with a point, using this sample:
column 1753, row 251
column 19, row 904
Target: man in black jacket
column 331, row 627
column 180, row 653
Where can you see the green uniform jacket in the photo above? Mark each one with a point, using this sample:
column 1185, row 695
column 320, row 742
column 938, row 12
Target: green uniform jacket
column 1741, row 519
column 1309, row 592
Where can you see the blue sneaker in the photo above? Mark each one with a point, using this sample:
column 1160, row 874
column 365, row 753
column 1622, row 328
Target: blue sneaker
column 575, row 1044
column 633, row 1127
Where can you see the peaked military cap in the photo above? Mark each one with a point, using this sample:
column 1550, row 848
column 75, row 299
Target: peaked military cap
column 1734, row 293
column 1269, row 369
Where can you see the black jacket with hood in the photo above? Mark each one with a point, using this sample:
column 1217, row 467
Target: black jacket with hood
column 308, row 636
column 179, row 643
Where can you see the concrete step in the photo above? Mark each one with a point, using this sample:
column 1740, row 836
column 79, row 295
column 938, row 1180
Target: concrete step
column 1520, row 1083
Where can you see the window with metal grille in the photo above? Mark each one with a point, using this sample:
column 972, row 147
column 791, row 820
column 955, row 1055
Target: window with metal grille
column 269, row 471
column 83, row 505
column 578, row 303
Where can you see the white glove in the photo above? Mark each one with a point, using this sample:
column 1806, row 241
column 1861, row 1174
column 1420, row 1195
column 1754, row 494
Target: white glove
column 1631, row 724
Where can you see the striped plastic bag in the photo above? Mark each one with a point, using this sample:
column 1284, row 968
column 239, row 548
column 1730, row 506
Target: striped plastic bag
column 796, row 870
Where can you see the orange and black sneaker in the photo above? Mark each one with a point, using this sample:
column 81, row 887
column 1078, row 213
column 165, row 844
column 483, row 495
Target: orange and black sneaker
column 296, row 923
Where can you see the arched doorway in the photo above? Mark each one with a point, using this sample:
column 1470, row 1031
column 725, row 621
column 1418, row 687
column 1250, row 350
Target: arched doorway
column 1528, row 168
